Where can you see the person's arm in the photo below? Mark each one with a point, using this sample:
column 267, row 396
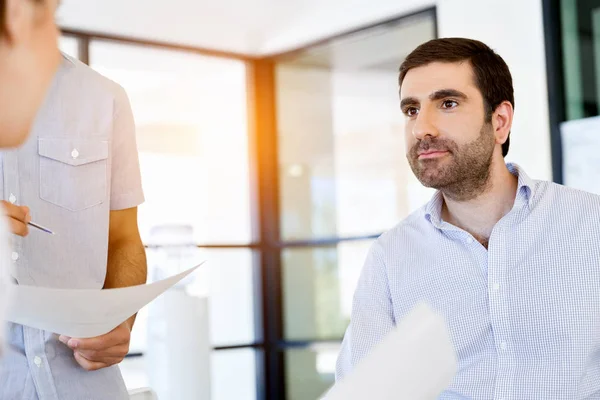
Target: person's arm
column 126, row 267
column 372, row 315
column 126, row 254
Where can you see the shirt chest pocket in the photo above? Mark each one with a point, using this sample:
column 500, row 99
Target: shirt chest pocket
column 73, row 172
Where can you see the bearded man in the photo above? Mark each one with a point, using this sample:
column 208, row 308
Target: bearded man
column 512, row 263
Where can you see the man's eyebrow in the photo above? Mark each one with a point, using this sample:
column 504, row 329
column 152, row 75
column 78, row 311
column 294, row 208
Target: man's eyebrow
column 408, row 101
column 437, row 95
column 443, row 93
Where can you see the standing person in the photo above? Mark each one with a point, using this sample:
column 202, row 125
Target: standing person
column 79, row 175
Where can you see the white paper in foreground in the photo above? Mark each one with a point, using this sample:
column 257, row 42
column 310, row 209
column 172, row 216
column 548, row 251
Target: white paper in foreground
column 82, row 313
column 416, row 361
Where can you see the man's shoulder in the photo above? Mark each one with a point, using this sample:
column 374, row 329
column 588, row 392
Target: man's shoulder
column 568, row 198
column 90, row 81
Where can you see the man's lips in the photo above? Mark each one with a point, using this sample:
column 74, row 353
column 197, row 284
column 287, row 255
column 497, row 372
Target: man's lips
column 432, row 153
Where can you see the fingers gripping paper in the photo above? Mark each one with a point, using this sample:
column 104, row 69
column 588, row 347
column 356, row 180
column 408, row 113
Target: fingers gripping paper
column 416, row 361
column 82, row 313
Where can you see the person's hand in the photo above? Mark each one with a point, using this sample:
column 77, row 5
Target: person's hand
column 102, row 351
column 18, row 218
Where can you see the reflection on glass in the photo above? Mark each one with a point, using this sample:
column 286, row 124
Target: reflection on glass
column 318, row 285
column 190, row 113
column 69, row 45
column 342, row 161
column 227, row 277
column 233, row 374
column 580, row 30
column 310, row 373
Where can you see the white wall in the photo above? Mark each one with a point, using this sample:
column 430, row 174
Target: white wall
column 514, row 28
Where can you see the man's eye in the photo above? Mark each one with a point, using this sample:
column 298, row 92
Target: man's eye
column 449, row 104
column 411, row 111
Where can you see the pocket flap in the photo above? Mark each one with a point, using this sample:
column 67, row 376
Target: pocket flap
column 73, row 151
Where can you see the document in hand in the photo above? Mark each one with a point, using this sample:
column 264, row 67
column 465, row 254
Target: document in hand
column 416, row 361
column 82, row 313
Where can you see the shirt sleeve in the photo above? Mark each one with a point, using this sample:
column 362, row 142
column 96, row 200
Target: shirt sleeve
column 372, row 313
column 126, row 185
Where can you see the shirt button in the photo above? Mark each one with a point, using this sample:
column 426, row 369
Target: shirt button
column 15, row 256
column 12, row 198
column 496, row 286
column 75, row 153
column 37, row 361
column 470, row 240
column 503, row 346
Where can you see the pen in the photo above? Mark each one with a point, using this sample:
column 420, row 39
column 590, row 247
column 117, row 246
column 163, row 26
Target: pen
column 40, row 227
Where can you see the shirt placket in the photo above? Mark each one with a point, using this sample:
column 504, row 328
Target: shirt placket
column 39, row 366
column 499, row 309
column 11, row 194
column 33, row 339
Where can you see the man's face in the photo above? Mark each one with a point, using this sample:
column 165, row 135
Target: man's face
column 449, row 144
column 29, row 58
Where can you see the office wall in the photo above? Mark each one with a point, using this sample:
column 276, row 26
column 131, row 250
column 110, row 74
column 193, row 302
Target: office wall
column 514, row 28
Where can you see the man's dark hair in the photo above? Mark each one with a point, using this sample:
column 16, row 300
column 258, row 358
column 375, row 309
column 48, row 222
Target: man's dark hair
column 492, row 76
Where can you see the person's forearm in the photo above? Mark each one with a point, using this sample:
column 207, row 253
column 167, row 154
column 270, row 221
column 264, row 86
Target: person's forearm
column 126, row 266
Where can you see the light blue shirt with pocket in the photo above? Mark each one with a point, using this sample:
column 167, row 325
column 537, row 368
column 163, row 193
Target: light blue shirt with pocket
column 79, row 164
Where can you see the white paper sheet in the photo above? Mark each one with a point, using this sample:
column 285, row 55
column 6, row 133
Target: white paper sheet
column 82, row 313
column 416, row 361
column 581, row 154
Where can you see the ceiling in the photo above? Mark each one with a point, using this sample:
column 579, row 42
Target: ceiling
column 245, row 27
column 382, row 47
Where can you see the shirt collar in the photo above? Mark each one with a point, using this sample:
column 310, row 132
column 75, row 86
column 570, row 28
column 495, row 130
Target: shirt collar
column 66, row 60
column 525, row 194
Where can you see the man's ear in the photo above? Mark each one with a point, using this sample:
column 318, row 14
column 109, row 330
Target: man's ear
column 502, row 121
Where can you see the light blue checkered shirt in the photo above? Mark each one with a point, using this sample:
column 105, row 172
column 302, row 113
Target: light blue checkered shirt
column 524, row 315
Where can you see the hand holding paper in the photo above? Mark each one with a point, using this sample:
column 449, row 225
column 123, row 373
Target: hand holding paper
column 102, row 351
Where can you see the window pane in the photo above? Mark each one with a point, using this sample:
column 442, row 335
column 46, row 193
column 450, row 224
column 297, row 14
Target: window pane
column 190, row 113
column 580, row 29
column 318, row 284
column 69, row 45
column 343, row 170
column 233, row 375
column 228, row 279
column 310, row 373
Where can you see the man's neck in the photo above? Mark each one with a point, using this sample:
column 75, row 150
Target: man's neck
column 479, row 215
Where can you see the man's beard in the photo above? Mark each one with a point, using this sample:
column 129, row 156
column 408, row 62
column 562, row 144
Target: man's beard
column 463, row 173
